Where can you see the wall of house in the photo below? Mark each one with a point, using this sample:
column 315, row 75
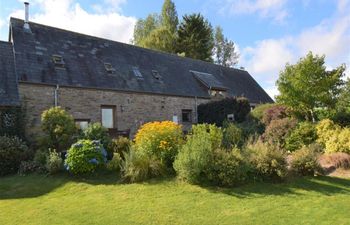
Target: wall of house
column 132, row 109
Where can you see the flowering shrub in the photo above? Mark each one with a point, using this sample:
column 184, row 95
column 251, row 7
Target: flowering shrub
column 160, row 140
column 96, row 131
column 85, row 156
column 54, row 162
column 304, row 135
column 333, row 137
column 278, row 131
column 12, row 152
column 59, row 129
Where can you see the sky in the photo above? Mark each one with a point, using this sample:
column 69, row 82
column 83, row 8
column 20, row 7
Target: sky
column 267, row 33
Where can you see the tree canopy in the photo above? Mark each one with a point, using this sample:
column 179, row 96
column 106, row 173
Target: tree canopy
column 307, row 85
column 224, row 50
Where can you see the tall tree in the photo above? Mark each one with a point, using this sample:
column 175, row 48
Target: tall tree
column 195, row 37
column 158, row 32
column 224, row 50
column 307, row 85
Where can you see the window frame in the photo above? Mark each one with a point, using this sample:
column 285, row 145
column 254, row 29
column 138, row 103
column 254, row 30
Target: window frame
column 190, row 115
column 81, row 120
column 114, row 113
column 58, row 61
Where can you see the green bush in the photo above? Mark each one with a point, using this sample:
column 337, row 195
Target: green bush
column 85, row 156
column 278, row 131
column 121, row 145
column 59, row 129
column 96, row 131
column 138, row 166
column 266, row 162
column 196, row 154
column 28, row 167
column 12, row 151
column 54, row 162
column 12, row 122
column 227, row 168
column 215, row 112
column 160, row 140
column 40, row 157
column 303, row 135
column 258, row 111
column 115, row 163
column 304, row 161
column 232, row 136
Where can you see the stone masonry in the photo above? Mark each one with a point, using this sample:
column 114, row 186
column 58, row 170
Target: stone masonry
column 131, row 109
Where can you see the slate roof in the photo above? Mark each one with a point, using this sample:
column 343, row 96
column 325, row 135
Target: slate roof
column 8, row 80
column 85, row 57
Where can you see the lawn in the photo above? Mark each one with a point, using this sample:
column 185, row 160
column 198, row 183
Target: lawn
column 37, row 199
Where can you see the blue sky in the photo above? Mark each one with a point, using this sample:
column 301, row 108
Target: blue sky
column 268, row 33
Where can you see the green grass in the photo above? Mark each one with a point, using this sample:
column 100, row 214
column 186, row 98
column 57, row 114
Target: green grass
column 61, row 199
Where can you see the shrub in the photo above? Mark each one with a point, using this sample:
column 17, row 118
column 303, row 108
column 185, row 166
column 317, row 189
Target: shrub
column 278, row 131
column 258, row 111
column 304, row 161
column 337, row 160
column 232, row 136
column 138, row 166
column 27, row 167
column 96, row 131
column 85, row 156
column 114, row 164
column 54, row 162
column 304, row 135
column 267, row 162
column 59, row 128
column 12, row 152
column 333, row 137
column 121, row 145
column 274, row 112
column 12, row 122
column 196, row 154
column 40, row 157
column 160, row 140
column 215, row 112
column 227, row 168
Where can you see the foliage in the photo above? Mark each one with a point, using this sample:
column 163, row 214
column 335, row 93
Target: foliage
column 121, row 145
column 138, row 167
column 333, row 137
column 85, row 156
column 54, row 163
column 96, row 131
column 278, row 131
column 307, row 85
column 40, row 157
column 337, row 160
column 258, row 111
column 251, row 127
column 273, row 113
column 12, row 122
column 114, row 164
column 215, row 112
column 12, row 151
column 303, row 135
column 144, row 27
column 196, row 154
column 267, row 162
column 342, row 115
column 227, row 168
column 169, row 16
column 160, row 140
column 27, row 167
column 232, row 136
column 195, row 37
column 224, row 50
column 305, row 161
column 59, row 129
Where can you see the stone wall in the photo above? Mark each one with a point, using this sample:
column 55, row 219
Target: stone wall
column 132, row 109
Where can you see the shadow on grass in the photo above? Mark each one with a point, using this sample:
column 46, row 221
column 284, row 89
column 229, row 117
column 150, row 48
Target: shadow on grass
column 16, row 187
column 322, row 185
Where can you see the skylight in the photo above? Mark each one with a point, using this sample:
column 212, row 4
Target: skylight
column 137, row 72
column 109, row 68
column 156, row 75
column 58, row 61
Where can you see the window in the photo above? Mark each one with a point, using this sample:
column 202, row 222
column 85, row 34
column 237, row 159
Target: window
column 82, row 123
column 137, row 72
column 187, row 115
column 58, row 61
column 156, row 75
column 107, row 116
column 109, row 68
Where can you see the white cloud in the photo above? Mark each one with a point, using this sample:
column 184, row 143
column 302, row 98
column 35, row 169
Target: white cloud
column 68, row 14
column 275, row 9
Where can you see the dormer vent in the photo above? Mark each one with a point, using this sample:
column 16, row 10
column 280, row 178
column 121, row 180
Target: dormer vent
column 109, row 68
column 58, row 61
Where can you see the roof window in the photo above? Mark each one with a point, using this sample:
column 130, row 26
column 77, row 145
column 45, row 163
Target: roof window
column 58, row 61
column 156, row 75
column 137, row 72
column 109, row 68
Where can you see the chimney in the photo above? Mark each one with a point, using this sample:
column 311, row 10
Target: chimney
column 26, row 19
